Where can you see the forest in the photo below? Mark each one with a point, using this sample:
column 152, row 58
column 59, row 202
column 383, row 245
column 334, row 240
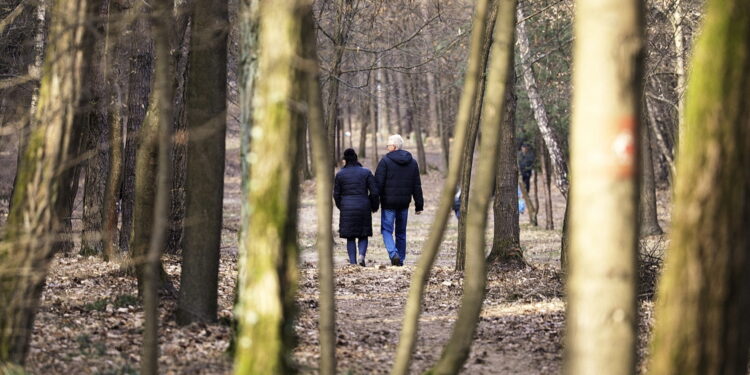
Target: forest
column 213, row 187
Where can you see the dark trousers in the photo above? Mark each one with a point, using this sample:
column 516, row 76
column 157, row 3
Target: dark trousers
column 526, row 176
column 351, row 248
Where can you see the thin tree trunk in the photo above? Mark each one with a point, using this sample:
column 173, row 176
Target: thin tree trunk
column 363, row 133
column 183, row 25
column 139, row 87
column 549, row 222
column 649, row 223
column 162, row 121
column 413, row 309
column 42, row 180
column 703, row 301
column 323, row 192
column 417, row 126
column 500, row 65
column 339, row 43
column 94, row 112
column 206, row 120
column 473, row 130
column 506, row 243
column 679, row 63
column 117, row 112
column 269, row 254
column 601, row 332
column 374, row 120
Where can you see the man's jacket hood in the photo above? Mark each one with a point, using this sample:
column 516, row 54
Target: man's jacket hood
column 400, row 157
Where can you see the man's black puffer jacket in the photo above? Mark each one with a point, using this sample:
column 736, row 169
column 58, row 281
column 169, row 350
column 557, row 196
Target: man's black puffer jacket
column 398, row 181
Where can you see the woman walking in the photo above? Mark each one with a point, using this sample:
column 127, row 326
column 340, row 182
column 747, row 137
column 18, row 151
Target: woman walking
column 356, row 198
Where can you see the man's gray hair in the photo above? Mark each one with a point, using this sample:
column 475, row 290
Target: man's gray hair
column 396, row 140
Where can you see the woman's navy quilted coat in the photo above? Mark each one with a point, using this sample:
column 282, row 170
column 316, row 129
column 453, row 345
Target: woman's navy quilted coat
column 356, row 197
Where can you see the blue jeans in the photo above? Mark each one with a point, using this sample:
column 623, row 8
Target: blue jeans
column 351, row 248
column 387, row 219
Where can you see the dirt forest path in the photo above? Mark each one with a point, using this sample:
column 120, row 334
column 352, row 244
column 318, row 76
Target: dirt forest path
column 90, row 320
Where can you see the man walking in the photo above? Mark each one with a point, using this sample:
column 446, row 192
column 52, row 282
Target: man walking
column 397, row 177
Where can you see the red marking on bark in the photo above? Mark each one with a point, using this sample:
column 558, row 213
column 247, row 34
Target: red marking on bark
column 623, row 147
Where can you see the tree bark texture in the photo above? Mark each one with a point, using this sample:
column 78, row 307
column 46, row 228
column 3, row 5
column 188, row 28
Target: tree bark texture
column 703, row 302
column 183, row 26
column 549, row 222
column 44, row 174
column 506, row 243
column 139, row 89
column 603, row 204
column 413, row 309
column 206, row 98
column 500, row 64
column 94, row 114
column 268, row 249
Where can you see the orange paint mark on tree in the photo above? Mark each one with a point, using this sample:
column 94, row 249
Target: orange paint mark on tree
column 623, row 147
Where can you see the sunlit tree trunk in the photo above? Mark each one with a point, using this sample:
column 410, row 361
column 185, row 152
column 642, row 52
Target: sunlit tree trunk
column 703, row 304
column 413, row 309
column 677, row 19
column 45, row 172
column 471, row 139
column 499, row 69
column 601, row 316
column 323, row 192
column 206, row 98
column 268, row 249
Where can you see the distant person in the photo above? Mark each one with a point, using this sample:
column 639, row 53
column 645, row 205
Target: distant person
column 398, row 181
column 356, row 197
column 526, row 160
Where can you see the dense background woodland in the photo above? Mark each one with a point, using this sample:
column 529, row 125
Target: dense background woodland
column 166, row 170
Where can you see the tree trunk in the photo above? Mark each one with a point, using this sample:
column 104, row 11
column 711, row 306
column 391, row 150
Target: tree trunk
column 323, row 193
column 601, row 332
column 559, row 166
column 703, row 302
column 362, row 149
column 183, row 25
column 94, row 112
column 649, row 223
column 117, row 113
column 549, row 222
column 413, row 309
column 269, row 254
column 42, row 180
column 139, row 89
column 206, row 99
column 677, row 19
column 506, row 243
column 473, row 130
column 374, row 120
column 417, row 126
column 500, row 65
column 159, row 120
column 339, row 43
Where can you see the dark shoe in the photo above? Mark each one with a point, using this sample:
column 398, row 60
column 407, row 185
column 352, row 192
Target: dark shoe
column 396, row 260
column 362, row 261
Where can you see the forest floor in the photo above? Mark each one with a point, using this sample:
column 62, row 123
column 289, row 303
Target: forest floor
column 90, row 319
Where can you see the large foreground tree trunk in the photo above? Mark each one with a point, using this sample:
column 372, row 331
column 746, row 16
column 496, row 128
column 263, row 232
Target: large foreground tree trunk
column 432, row 244
column 703, row 305
column 601, row 316
column 500, row 64
column 206, row 120
column 268, row 248
column 30, row 232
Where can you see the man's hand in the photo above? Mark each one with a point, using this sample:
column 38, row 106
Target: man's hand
column 419, row 212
